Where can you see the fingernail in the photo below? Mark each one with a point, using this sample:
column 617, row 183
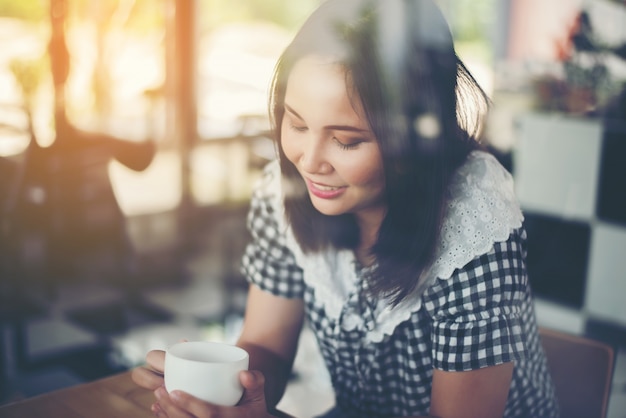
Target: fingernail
column 156, row 408
column 159, row 392
column 175, row 395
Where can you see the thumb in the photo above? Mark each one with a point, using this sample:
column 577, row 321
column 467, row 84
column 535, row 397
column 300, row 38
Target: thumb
column 253, row 382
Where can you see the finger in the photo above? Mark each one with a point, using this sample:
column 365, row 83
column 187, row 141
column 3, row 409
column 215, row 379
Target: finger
column 167, row 407
column 253, row 400
column 147, row 378
column 156, row 360
column 197, row 407
column 157, row 410
column 253, row 383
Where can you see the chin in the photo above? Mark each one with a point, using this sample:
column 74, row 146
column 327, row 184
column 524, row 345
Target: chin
column 328, row 211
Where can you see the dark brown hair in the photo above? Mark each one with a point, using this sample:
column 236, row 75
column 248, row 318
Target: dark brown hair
column 401, row 63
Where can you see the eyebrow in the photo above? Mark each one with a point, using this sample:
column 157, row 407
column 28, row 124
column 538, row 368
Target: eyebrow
column 331, row 127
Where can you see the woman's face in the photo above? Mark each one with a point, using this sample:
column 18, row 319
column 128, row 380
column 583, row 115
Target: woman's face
column 327, row 137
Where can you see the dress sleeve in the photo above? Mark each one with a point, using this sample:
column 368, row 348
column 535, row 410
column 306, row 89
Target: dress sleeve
column 477, row 311
column 267, row 262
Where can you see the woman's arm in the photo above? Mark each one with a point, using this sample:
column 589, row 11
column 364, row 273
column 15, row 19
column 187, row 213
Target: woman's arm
column 270, row 334
column 475, row 393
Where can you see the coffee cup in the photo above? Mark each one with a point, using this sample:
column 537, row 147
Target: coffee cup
column 206, row 370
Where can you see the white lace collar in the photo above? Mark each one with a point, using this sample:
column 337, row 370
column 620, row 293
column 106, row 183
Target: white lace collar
column 482, row 210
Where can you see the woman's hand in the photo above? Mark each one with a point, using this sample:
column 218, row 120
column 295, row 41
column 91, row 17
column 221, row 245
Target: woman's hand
column 150, row 376
column 180, row 404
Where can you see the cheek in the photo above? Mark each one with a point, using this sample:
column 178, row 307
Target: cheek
column 288, row 145
column 366, row 171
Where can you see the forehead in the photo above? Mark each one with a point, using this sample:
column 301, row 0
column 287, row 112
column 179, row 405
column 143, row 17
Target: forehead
column 322, row 76
column 317, row 70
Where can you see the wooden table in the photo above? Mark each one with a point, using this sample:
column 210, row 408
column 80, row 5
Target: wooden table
column 111, row 397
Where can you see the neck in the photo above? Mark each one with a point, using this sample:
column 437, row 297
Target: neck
column 368, row 227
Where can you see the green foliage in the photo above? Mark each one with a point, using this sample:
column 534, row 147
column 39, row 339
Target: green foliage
column 472, row 18
column 289, row 14
column 31, row 10
column 29, row 73
column 138, row 16
column 147, row 15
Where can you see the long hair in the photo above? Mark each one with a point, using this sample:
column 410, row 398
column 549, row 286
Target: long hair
column 420, row 102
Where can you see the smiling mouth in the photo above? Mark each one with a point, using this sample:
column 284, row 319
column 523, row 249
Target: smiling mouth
column 323, row 191
column 324, row 187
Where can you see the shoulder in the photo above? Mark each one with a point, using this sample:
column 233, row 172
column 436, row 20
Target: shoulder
column 265, row 216
column 269, row 260
column 267, row 194
column 481, row 210
column 268, row 185
column 481, row 171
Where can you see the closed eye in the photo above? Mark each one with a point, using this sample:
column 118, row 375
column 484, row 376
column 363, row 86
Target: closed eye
column 347, row 146
column 298, row 128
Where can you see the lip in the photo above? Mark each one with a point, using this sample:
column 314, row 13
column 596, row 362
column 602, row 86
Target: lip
column 314, row 189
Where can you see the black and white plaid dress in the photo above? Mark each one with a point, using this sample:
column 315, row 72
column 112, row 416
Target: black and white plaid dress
column 475, row 312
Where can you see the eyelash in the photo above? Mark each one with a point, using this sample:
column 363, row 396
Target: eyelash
column 346, row 146
column 298, row 128
column 338, row 142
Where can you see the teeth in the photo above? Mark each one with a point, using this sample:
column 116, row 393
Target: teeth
column 325, row 188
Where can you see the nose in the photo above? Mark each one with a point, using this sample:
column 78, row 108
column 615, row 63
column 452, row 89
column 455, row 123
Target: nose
column 313, row 158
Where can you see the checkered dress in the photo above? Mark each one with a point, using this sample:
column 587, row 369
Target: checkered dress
column 481, row 316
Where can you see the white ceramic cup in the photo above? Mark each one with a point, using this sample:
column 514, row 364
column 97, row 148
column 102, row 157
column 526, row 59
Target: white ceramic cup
column 206, row 370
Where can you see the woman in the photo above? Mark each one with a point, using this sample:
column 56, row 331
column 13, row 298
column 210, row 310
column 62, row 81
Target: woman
column 387, row 229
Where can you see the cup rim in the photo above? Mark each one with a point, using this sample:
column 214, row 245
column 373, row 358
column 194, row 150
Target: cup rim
column 242, row 354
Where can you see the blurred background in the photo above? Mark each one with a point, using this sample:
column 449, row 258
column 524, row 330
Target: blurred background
column 131, row 132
